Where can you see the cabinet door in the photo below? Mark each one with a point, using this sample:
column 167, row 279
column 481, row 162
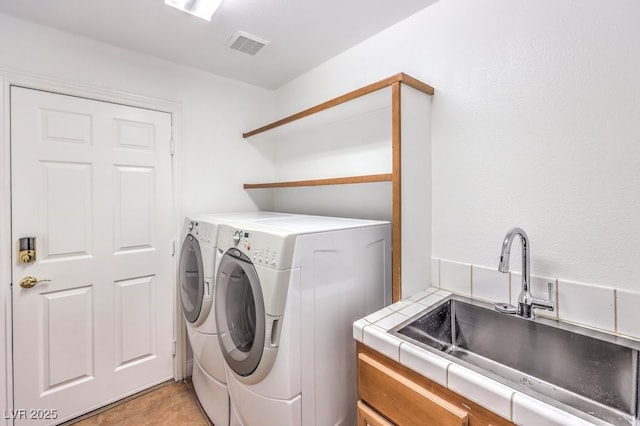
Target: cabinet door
column 367, row 416
column 391, row 394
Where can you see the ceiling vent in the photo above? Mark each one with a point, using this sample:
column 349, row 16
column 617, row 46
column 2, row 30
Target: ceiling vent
column 246, row 43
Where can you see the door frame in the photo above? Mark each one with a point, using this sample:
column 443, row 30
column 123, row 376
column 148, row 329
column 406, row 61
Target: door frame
column 10, row 78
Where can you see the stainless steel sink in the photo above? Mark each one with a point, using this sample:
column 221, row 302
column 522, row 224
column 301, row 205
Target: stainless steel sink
column 577, row 369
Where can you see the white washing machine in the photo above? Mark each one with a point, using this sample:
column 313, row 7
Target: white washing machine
column 287, row 293
column 197, row 284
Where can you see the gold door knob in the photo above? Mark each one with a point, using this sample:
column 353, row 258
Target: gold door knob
column 29, row 281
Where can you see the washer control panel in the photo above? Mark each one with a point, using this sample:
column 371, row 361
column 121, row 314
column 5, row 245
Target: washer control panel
column 265, row 256
column 261, row 248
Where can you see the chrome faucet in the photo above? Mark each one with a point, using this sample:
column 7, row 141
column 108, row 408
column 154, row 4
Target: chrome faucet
column 526, row 301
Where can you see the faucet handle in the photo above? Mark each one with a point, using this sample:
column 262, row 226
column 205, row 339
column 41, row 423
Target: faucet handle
column 547, row 304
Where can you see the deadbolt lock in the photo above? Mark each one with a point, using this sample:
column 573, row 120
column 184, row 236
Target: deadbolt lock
column 29, row 281
column 27, row 252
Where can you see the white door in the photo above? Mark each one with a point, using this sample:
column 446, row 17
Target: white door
column 91, row 181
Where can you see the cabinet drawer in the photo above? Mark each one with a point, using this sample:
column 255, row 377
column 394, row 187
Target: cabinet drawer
column 402, row 400
column 367, row 416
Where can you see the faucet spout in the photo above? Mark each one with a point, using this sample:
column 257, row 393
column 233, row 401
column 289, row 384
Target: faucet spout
column 505, row 257
column 505, row 254
column 526, row 301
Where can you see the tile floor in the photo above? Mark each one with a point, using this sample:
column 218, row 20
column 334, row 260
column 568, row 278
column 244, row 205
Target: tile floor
column 170, row 404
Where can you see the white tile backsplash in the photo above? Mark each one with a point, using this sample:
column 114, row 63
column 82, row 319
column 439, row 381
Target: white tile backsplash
column 586, row 304
column 455, row 277
column 628, row 313
column 489, row 284
column 435, row 272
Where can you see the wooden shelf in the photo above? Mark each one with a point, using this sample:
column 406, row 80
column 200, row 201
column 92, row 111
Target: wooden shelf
column 384, row 94
column 386, row 177
column 389, row 81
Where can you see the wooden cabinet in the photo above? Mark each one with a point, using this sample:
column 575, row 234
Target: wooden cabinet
column 406, row 120
column 391, row 394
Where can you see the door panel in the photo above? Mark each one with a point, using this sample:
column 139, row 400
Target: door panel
column 91, row 181
column 134, row 222
column 68, row 325
column 135, row 313
column 65, row 185
column 65, row 126
column 135, row 135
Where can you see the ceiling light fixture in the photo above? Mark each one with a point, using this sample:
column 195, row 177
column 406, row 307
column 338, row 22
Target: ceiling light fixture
column 201, row 8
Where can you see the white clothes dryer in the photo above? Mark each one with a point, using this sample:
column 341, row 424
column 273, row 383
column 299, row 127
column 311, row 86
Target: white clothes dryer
column 287, row 293
column 197, row 284
column 196, row 281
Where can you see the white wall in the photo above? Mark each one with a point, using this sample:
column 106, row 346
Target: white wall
column 534, row 124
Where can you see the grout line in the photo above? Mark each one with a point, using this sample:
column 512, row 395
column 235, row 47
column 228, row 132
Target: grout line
column 557, row 296
column 513, row 396
column 447, row 374
column 362, row 333
column 615, row 310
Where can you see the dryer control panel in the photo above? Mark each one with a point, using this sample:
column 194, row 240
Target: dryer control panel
column 203, row 231
column 258, row 252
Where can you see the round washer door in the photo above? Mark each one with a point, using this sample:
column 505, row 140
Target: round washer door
column 239, row 310
column 191, row 279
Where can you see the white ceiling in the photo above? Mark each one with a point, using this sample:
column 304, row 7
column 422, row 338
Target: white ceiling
column 302, row 33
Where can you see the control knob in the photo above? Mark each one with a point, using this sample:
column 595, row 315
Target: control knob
column 236, row 237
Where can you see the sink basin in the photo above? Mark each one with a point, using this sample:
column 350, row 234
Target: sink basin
column 577, row 369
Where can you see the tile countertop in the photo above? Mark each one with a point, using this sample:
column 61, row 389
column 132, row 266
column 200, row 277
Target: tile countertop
column 497, row 397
